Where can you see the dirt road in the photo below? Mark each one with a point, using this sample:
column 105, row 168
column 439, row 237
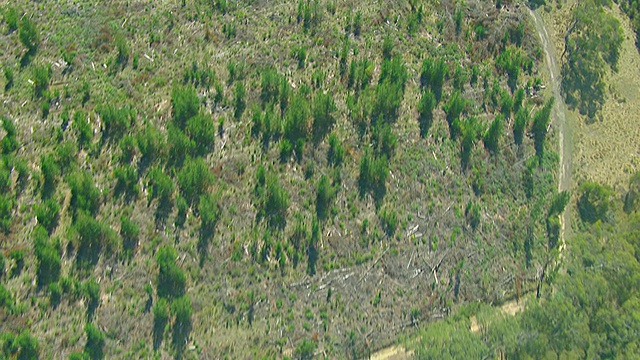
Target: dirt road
column 560, row 117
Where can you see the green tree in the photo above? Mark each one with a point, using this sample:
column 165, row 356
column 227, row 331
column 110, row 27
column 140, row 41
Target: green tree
column 336, row 153
column 493, row 134
column 541, row 121
column 373, row 176
column 130, row 232
column 425, row 111
column 520, row 123
column 160, row 321
column 185, row 104
column 202, row 132
column 171, row 280
column 151, row 143
column 239, row 100
column 48, row 257
column 94, row 347
column 209, row 212
column 194, row 179
column 41, row 78
column 182, row 309
column 433, row 74
column 84, row 194
column 324, row 197
column 83, row 128
column 324, row 108
column 47, row 214
column 29, row 36
column 595, row 202
column 6, row 210
column 454, row 109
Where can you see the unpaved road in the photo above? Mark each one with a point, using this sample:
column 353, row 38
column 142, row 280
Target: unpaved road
column 560, row 116
column 564, row 177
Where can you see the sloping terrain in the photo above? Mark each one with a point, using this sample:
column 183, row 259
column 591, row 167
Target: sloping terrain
column 267, row 178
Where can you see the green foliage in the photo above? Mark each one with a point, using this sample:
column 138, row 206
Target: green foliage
column 130, row 232
column 194, row 179
column 593, row 43
column 425, row 112
column 29, row 36
column 324, row 108
column 161, row 185
column 126, row 178
column 182, row 309
column 384, row 139
column 454, row 109
column 595, row 202
column 47, row 214
column 150, row 142
column 324, row 197
column 83, row 128
column 128, row 146
column 6, row 299
column 91, row 293
column 389, row 220
column 493, row 134
column 336, row 152
column 171, row 280
column 209, row 212
column 179, row 145
column 511, row 61
column 272, row 200
column 9, row 76
column 472, row 213
column 11, row 18
column 541, row 121
column 390, row 90
column 373, row 176
column 450, row 340
column 296, row 123
column 202, row 132
column 123, row 49
column 116, row 121
column 50, row 173
column 94, row 348
column 239, row 100
column 632, row 197
column 84, row 195
column 433, row 74
column 41, row 78
column 185, row 104
column 92, row 237
column 160, row 321
column 470, row 133
column 520, row 123
column 20, row 347
column 305, row 350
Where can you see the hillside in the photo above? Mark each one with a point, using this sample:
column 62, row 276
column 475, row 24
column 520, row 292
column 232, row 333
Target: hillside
column 248, row 179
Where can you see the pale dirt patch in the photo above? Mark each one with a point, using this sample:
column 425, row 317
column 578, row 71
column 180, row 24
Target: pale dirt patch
column 392, row 353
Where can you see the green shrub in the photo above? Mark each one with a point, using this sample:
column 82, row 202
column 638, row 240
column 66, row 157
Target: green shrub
column 151, row 143
column 389, row 220
column 116, row 121
column 595, row 202
column 161, row 185
column 41, row 78
column 272, row 199
column 541, row 121
column 94, row 347
column 128, row 148
column 160, row 321
column 6, row 299
column 185, row 105
column 425, row 111
column 472, row 213
column 433, row 74
column 324, row 197
column 179, row 145
column 11, row 18
column 336, row 153
column 9, row 141
column 520, row 123
column 324, row 108
column 47, row 214
column 296, row 122
column 126, row 178
column 239, row 100
column 181, row 216
column 50, row 172
column 49, row 263
column 123, row 49
column 209, row 212
column 9, row 76
column 470, row 133
column 83, row 128
column 305, row 350
column 194, row 179
column 493, row 134
column 182, row 309
column 171, row 279
column 202, row 133
column 454, row 109
column 84, row 195
column 373, row 176
column 92, row 237
column 55, row 294
column 129, row 231
column 29, row 34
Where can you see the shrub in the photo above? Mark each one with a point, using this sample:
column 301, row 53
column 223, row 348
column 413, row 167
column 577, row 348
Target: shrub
column 433, row 74
column 239, row 100
column 84, row 195
column 151, row 143
column 55, row 294
column 29, row 34
column 182, row 310
column 50, row 172
column 41, row 78
column 129, row 231
column 160, row 321
column 194, row 179
column 272, row 199
column 161, row 185
column 181, row 216
column 202, row 133
column 209, row 212
column 11, row 18
column 305, row 350
column 472, row 213
column 492, row 136
column 336, row 152
column 595, row 202
column 541, row 121
column 296, row 122
column 94, row 347
column 454, row 109
column 179, row 145
column 83, row 128
column 389, row 220
column 123, row 49
column 116, row 121
column 324, row 197
column 384, row 139
column 9, row 142
column 425, row 110
column 47, row 214
column 126, row 178
column 185, row 104
column 520, row 123
column 128, row 148
column 470, row 133
column 171, row 279
column 49, row 263
column 324, row 108
column 373, row 175
column 93, row 237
